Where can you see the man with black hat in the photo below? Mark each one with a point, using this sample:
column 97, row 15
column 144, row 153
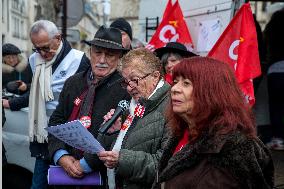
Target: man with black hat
column 125, row 29
column 88, row 96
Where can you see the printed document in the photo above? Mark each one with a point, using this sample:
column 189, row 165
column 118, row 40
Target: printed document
column 76, row 135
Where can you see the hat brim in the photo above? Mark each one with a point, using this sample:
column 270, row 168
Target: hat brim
column 105, row 45
column 160, row 51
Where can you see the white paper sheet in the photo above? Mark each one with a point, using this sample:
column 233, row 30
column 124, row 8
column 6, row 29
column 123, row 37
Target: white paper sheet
column 209, row 32
column 76, row 135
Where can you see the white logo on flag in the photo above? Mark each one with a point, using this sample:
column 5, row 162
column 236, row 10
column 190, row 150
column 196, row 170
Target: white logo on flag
column 173, row 32
column 231, row 51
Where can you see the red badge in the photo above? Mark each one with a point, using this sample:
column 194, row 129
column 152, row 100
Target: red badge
column 139, row 110
column 86, row 121
column 77, row 101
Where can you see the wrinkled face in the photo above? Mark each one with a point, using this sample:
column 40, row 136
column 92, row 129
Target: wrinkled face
column 172, row 61
column 126, row 41
column 45, row 46
column 11, row 59
column 104, row 61
column 181, row 95
column 139, row 84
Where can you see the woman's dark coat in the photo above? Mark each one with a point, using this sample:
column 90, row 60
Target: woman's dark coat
column 228, row 161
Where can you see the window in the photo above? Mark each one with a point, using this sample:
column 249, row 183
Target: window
column 16, row 27
column 15, row 4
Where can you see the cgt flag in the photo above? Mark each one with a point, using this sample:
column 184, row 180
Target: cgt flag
column 168, row 9
column 173, row 28
column 238, row 46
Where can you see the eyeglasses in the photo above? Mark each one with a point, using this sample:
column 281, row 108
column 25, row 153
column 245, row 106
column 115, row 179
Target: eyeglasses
column 46, row 49
column 41, row 49
column 133, row 82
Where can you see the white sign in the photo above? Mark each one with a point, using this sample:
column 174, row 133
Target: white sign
column 208, row 33
column 76, row 135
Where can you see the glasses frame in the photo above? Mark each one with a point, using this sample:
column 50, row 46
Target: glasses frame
column 124, row 83
column 40, row 49
column 45, row 49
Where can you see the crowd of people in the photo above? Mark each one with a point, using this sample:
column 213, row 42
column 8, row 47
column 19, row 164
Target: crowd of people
column 188, row 125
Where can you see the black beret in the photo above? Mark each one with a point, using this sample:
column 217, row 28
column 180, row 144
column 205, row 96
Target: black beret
column 8, row 49
column 122, row 25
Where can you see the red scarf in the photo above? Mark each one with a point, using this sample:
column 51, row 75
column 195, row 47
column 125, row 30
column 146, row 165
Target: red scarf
column 168, row 78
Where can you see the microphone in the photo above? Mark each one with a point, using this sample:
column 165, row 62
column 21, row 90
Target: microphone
column 121, row 107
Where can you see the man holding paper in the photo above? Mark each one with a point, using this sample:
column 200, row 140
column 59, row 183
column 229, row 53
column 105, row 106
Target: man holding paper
column 88, row 96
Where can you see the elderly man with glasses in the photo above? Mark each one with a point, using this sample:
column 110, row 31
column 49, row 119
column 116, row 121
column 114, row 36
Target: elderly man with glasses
column 87, row 97
column 138, row 148
column 52, row 62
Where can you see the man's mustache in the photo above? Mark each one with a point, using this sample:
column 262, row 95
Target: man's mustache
column 102, row 65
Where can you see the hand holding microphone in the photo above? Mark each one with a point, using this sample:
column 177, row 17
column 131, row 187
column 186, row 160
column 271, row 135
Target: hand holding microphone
column 121, row 107
column 116, row 125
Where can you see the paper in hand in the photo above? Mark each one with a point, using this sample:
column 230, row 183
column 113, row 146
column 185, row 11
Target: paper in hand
column 76, row 135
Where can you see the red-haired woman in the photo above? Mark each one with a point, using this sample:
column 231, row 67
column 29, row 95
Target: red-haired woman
column 213, row 142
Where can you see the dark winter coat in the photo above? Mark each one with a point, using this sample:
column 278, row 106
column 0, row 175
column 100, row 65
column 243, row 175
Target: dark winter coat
column 107, row 95
column 229, row 161
column 4, row 158
column 143, row 143
column 22, row 71
column 275, row 86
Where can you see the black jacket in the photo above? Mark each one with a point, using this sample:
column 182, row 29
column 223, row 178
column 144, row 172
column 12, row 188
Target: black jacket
column 275, row 86
column 107, row 95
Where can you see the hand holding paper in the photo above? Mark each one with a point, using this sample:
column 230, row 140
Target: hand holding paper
column 110, row 158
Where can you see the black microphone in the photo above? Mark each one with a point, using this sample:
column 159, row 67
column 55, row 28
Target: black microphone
column 121, row 107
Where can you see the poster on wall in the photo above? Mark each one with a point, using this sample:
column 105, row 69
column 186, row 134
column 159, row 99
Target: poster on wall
column 208, row 33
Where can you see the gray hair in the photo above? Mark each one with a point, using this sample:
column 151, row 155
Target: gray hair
column 45, row 25
column 136, row 43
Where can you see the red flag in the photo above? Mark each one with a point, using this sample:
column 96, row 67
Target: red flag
column 168, row 9
column 172, row 28
column 238, row 46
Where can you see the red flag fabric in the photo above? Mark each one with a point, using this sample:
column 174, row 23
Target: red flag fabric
column 168, row 9
column 173, row 28
column 238, row 47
